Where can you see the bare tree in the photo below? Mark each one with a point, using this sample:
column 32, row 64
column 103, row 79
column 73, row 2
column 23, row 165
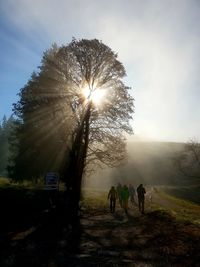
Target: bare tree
column 80, row 87
column 188, row 160
column 91, row 68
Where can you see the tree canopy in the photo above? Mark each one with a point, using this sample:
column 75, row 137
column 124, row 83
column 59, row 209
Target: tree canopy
column 77, row 99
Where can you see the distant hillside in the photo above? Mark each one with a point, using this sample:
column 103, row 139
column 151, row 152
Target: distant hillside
column 148, row 163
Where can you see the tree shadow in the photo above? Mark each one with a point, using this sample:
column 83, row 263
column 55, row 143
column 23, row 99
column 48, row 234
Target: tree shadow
column 51, row 230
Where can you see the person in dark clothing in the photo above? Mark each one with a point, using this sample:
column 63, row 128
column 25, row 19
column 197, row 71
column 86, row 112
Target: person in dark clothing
column 141, row 196
column 112, row 195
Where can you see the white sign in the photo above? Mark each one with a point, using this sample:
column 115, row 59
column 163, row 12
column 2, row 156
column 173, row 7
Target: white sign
column 52, row 181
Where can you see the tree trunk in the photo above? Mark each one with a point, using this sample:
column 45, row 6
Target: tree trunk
column 76, row 166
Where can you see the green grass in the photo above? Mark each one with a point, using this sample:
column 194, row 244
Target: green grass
column 94, row 199
column 191, row 193
column 181, row 209
column 4, row 181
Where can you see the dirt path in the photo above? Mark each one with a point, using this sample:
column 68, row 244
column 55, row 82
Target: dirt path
column 105, row 239
column 154, row 239
column 163, row 201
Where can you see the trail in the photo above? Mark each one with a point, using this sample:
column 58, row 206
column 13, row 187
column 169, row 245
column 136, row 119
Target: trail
column 154, row 239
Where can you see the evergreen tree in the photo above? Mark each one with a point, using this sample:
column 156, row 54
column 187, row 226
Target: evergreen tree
column 5, row 133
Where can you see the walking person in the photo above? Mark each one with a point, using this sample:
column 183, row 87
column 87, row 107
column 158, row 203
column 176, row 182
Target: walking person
column 119, row 193
column 112, row 195
column 131, row 190
column 125, row 197
column 141, row 196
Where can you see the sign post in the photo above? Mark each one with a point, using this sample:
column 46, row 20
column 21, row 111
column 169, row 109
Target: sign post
column 52, row 181
column 52, row 187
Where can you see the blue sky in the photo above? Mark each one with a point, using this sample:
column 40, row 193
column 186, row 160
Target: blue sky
column 157, row 41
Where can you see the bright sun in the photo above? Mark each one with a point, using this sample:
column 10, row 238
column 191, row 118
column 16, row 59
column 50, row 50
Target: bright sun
column 95, row 95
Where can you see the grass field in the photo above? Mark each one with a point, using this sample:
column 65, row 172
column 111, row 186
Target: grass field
column 189, row 193
column 180, row 208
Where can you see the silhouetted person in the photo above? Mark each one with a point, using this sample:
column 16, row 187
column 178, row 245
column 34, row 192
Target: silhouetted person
column 125, row 197
column 131, row 190
column 119, row 193
column 112, row 195
column 141, row 196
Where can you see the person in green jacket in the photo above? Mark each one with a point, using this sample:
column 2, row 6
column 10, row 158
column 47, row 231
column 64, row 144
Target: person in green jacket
column 119, row 193
column 125, row 197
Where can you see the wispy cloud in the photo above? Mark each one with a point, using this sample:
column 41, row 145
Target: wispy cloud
column 158, row 41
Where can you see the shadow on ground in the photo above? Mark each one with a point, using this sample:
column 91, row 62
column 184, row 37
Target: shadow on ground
column 101, row 239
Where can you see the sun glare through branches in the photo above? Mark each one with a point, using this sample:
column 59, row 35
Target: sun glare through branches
column 95, row 95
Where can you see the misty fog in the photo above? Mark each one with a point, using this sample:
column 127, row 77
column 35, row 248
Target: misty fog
column 150, row 163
